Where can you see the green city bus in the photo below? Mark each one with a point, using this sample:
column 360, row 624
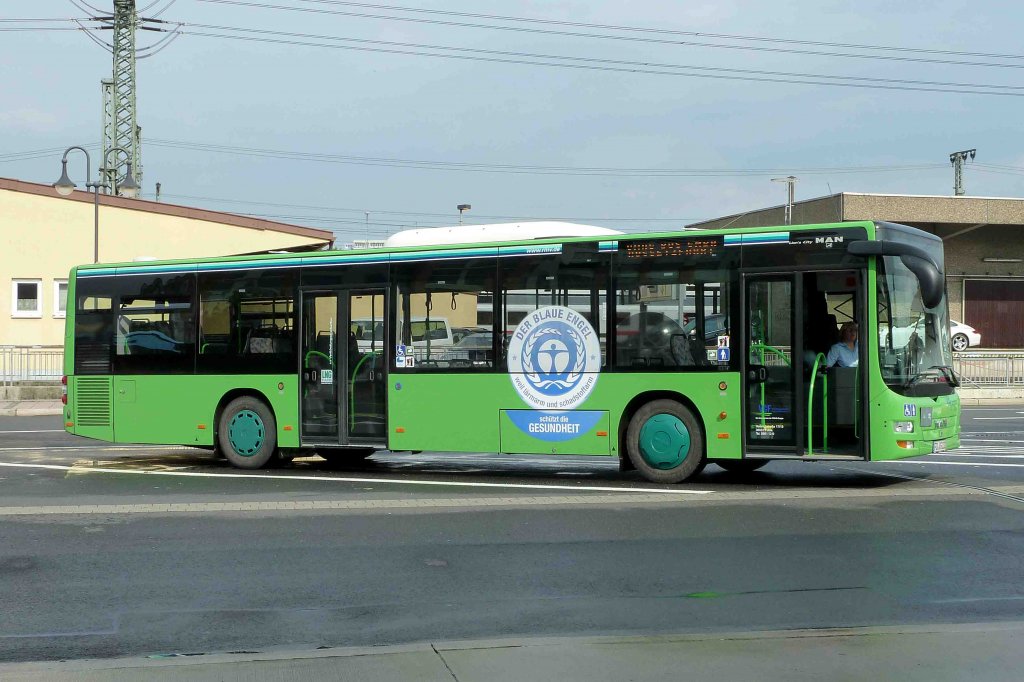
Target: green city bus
column 667, row 351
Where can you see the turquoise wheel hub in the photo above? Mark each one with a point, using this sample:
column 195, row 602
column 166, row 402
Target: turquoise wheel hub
column 664, row 441
column 246, row 433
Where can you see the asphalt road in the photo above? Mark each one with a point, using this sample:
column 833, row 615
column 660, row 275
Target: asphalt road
column 114, row 551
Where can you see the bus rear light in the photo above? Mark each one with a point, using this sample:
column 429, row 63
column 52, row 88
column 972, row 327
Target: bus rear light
column 905, row 444
column 63, row 398
column 903, row 427
column 64, row 389
column 64, row 380
column 69, row 424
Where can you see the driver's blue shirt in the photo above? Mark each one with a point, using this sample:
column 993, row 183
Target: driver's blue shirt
column 842, row 355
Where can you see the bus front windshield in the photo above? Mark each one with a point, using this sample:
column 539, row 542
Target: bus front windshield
column 913, row 339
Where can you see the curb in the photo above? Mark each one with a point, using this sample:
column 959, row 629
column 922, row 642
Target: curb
column 31, row 411
column 622, row 642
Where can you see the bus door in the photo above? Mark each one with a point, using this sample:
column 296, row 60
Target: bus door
column 343, row 367
column 773, row 410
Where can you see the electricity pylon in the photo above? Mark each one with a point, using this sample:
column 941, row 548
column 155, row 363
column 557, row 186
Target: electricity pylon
column 120, row 121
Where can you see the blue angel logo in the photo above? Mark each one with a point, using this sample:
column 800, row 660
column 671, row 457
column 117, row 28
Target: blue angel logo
column 554, row 357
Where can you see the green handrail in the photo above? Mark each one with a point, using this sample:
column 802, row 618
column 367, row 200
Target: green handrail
column 856, row 401
column 316, row 352
column 351, row 389
column 819, row 359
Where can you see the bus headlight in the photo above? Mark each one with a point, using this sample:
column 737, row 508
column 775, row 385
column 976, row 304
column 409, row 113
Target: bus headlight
column 903, row 427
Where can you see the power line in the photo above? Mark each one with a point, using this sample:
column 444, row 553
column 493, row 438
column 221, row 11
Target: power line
column 628, row 38
column 619, row 66
column 28, row 155
column 599, row 60
column 422, row 214
column 497, row 168
column 525, row 169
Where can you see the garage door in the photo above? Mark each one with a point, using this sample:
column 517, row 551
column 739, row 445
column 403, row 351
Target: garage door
column 996, row 309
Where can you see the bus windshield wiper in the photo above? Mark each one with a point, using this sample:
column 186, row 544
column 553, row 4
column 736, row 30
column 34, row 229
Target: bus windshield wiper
column 945, row 370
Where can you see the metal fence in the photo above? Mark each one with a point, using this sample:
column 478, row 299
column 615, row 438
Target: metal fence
column 973, row 368
column 30, row 363
column 981, row 368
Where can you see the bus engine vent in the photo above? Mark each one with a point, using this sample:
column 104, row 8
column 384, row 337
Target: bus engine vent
column 92, row 400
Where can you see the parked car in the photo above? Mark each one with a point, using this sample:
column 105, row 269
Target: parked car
column 962, row 336
column 458, row 333
column 715, row 325
column 471, row 350
column 435, row 332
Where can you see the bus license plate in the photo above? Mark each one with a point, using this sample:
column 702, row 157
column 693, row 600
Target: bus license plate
column 938, row 446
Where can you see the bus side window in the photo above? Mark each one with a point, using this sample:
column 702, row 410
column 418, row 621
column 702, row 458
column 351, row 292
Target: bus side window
column 246, row 322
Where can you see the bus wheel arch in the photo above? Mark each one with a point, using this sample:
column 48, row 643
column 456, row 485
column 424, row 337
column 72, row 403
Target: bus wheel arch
column 246, row 429
column 671, row 419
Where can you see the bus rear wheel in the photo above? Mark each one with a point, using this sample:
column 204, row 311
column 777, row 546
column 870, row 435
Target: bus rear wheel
column 664, row 442
column 247, row 433
column 741, row 466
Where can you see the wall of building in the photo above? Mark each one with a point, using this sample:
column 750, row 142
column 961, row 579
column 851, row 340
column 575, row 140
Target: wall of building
column 43, row 237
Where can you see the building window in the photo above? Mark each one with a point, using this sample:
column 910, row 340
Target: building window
column 60, row 298
column 25, row 298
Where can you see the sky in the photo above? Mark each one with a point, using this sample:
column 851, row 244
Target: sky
column 376, row 139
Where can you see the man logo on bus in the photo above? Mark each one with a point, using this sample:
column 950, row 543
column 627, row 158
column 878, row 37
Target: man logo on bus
column 553, row 358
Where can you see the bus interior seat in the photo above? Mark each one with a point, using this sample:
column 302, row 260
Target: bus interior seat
column 842, row 396
column 323, row 342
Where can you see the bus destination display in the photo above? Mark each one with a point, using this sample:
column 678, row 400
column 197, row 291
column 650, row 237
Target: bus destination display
column 672, row 248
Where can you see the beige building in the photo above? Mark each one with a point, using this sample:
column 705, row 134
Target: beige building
column 981, row 236
column 43, row 235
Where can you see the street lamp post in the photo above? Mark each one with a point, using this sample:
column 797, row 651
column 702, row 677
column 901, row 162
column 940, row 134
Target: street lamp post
column 65, row 186
column 462, row 208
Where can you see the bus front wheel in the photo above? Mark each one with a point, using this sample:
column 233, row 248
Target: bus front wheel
column 247, row 433
column 664, row 442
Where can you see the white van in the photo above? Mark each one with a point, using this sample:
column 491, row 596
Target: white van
column 435, row 333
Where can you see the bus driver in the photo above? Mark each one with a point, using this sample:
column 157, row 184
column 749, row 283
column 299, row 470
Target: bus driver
column 847, row 352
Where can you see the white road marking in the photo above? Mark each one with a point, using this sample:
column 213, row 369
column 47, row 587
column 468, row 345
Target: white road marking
column 979, row 455
column 987, row 440
column 954, row 464
column 317, row 505
column 37, row 431
column 96, row 449
column 346, row 479
column 994, row 418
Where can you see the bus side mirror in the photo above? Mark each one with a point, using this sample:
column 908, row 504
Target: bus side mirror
column 932, row 285
column 917, row 261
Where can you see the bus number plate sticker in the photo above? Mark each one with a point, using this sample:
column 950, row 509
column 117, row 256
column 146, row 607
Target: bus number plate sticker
column 938, row 446
column 327, row 377
column 909, row 410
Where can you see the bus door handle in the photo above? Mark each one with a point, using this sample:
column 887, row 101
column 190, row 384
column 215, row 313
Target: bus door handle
column 311, row 376
column 757, row 374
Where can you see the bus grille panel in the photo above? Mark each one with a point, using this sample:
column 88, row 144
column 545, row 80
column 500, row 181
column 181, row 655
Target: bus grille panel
column 92, row 397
